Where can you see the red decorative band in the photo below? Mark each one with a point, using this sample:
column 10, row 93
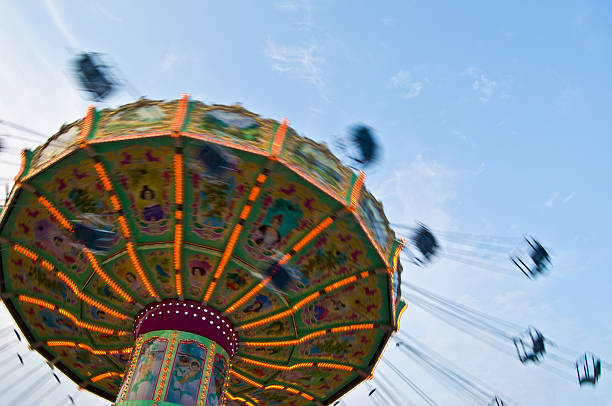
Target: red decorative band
column 189, row 316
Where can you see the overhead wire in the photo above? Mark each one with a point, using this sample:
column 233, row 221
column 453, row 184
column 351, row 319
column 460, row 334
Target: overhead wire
column 460, row 306
column 493, row 341
column 410, row 383
column 445, row 361
column 375, row 400
column 389, row 394
column 443, row 376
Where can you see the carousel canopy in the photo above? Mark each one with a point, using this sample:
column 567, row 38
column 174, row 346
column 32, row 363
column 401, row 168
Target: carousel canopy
column 181, row 200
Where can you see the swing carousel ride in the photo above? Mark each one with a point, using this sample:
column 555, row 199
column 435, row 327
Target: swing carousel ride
column 176, row 253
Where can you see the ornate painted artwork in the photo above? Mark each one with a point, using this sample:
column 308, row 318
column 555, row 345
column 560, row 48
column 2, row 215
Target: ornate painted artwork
column 356, row 303
column 205, row 203
column 106, row 295
column 45, row 234
column 198, row 270
column 148, row 369
column 65, row 138
column 352, row 348
column 124, row 271
column 232, row 124
column 186, row 375
column 143, row 116
column 371, row 212
column 217, row 379
column 159, row 261
column 278, row 397
column 277, row 329
column 27, row 277
column 233, row 284
column 215, row 198
column 285, row 211
column 144, row 177
column 316, row 160
column 269, row 354
column 340, row 251
column 49, row 325
column 315, row 381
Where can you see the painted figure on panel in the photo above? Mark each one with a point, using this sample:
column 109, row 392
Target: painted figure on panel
column 280, row 219
column 186, row 377
column 147, row 369
column 215, row 388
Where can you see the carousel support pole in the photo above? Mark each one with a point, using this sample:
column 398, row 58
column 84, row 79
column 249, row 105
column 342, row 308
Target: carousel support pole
column 182, row 354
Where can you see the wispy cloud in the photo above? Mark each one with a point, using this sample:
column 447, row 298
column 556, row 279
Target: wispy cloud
column 304, row 8
column 552, row 199
column 58, row 20
column 107, row 13
column 568, row 197
column 388, row 22
column 305, row 61
column 460, row 134
column 482, row 85
column 168, row 62
column 435, row 183
column 403, row 80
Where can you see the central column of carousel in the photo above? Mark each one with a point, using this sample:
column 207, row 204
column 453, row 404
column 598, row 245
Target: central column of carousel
column 181, row 356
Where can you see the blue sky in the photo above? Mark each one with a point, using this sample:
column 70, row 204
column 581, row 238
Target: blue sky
column 494, row 119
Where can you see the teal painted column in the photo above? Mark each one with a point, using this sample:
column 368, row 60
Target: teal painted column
column 171, row 367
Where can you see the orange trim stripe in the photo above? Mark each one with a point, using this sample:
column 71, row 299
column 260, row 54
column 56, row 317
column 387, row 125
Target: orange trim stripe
column 178, row 178
column 59, row 343
column 103, row 177
column 24, row 251
column 124, row 227
column 324, row 224
column 397, row 252
column 106, row 375
column 279, row 137
column 278, row 367
column 66, row 313
column 55, row 213
column 88, row 299
column 354, row 327
column 335, row 366
column 273, row 387
column 115, row 202
column 94, row 263
column 229, row 248
column 161, row 388
column 298, row 365
column 47, row 265
column 357, row 189
column 181, row 112
column 178, row 240
column 125, row 230
column 243, row 400
column 245, row 379
column 87, row 123
column 342, row 282
column 24, row 159
column 141, row 273
column 298, row 246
